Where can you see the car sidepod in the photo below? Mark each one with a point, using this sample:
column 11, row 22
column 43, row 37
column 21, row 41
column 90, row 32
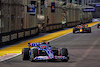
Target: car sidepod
column 50, row 53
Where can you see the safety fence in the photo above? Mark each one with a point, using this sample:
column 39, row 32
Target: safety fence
column 54, row 27
column 18, row 35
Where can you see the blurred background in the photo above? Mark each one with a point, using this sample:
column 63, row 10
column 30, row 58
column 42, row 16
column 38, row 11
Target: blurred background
column 25, row 18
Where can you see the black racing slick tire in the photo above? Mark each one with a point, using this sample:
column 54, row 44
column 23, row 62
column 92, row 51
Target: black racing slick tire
column 64, row 52
column 74, row 29
column 25, row 53
column 89, row 31
column 35, row 53
column 97, row 26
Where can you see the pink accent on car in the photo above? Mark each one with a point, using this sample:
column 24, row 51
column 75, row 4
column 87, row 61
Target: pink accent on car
column 46, row 42
column 48, row 57
column 30, row 44
column 38, row 52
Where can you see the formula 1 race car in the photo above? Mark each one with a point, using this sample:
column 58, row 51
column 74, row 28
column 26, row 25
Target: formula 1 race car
column 82, row 28
column 98, row 26
column 43, row 51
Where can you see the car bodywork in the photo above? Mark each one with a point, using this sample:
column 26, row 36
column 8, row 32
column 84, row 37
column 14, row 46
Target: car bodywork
column 98, row 25
column 43, row 51
column 81, row 28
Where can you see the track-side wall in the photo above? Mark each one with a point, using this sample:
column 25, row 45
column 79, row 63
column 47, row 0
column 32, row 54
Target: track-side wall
column 16, row 24
column 75, row 15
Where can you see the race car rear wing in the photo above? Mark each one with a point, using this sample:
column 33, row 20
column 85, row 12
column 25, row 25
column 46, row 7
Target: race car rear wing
column 36, row 44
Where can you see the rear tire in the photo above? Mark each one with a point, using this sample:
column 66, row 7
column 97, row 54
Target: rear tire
column 97, row 26
column 64, row 52
column 25, row 53
column 74, row 29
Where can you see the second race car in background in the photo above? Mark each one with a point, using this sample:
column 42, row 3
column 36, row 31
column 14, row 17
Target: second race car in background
column 98, row 25
column 82, row 28
column 43, row 51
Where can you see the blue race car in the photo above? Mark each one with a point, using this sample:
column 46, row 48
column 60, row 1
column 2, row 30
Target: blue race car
column 43, row 51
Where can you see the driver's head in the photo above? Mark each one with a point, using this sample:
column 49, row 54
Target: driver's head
column 43, row 47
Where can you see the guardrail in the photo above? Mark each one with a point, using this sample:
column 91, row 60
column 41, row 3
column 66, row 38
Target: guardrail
column 54, row 27
column 18, row 35
column 72, row 24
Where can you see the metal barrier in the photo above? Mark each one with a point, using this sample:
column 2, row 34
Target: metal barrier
column 54, row 27
column 18, row 35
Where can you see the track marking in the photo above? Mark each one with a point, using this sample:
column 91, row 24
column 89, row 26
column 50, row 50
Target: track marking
column 84, row 55
column 6, row 58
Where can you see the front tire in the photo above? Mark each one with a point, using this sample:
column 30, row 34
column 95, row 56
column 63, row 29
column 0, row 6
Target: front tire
column 25, row 53
column 34, row 53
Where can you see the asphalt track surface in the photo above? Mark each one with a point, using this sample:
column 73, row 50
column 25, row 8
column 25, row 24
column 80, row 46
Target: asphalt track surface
column 84, row 49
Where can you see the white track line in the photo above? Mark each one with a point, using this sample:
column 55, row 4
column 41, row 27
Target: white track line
column 48, row 41
column 10, row 57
